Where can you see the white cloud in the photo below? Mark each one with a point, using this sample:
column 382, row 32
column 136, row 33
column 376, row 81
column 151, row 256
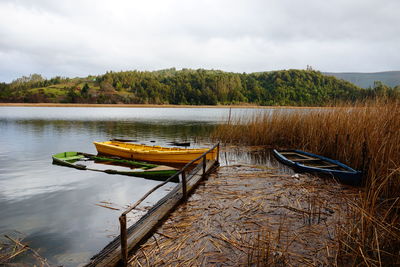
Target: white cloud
column 81, row 37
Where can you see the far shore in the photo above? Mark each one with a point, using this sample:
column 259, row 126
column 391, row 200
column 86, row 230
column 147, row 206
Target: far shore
column 146, row 106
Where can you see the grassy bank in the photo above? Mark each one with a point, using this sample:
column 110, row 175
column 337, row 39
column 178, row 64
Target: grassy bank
column 366, row 137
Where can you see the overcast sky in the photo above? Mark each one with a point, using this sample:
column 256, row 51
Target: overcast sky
column 81, row 37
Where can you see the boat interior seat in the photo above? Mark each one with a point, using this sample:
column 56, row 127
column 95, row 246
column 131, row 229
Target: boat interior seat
column 74, row 157
column 326, row 166
column 300, row 160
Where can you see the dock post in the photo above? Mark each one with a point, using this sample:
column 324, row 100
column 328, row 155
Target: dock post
column 218, row 153
column 184, row 188
column 204, row 166
column 124, row 241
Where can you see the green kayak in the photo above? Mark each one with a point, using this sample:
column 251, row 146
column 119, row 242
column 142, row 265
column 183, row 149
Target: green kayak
column 113, row 165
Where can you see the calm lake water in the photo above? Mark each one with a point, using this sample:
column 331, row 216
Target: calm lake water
column 53, row 207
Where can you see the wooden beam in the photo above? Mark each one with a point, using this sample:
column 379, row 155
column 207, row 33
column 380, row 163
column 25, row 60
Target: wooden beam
column 325, row 166
column 296, row 154
column 289, row 153
column 301, row 160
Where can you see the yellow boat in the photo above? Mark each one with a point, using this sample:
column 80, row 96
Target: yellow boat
column 152, row 153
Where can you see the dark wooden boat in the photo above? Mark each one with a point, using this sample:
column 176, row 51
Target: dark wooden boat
column 113, row 165
column 307, row 162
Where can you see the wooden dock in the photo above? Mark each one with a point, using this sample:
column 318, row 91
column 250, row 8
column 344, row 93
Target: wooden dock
column 131, row 238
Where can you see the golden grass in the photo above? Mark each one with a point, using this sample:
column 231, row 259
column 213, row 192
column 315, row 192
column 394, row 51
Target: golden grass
column 364, row 136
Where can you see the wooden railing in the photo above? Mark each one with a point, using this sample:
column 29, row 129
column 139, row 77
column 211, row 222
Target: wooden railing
column 183, row 173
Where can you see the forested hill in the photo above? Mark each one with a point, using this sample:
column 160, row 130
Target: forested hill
column 195, row 87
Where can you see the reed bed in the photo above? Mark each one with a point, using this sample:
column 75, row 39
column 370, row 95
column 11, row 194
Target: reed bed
column 365, row 136
column 250, row 216
column 12, row 247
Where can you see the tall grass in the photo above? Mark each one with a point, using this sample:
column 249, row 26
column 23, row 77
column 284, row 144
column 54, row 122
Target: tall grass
column 366, row 137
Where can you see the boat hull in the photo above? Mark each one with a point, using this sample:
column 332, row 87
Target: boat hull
column 150, row 171
column 347, row 175
column 151, row 153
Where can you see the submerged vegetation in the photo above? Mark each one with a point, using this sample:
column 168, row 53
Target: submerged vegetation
column 193, row 87
column 14, row 247
column 365, row 136
column 249, row 215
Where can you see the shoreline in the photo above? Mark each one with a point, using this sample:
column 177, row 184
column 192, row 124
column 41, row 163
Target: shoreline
column 148, row 106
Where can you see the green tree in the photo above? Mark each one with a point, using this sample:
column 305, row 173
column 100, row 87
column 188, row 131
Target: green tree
column 85, row 90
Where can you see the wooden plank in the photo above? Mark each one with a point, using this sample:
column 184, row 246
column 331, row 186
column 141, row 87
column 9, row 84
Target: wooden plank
column 295, row 154
column 325, row 166
column 142, row 229
column 290, row 153
column 162, row 168
column 310, row 159
column 124, row 249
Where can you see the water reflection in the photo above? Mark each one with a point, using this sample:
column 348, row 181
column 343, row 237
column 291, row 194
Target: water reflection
column 141, row 131
column 55, row 207
column 253, row 156
column 156, row 115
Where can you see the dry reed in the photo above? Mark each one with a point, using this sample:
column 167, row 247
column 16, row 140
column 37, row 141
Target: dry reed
column 247, row 216
column 364, row 136
column 11, row 248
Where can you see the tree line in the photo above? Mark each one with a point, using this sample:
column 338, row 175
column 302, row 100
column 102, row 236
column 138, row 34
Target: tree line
column 194, row 87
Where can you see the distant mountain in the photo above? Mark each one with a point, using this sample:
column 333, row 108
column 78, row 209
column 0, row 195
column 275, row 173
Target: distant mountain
column 366, row 80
